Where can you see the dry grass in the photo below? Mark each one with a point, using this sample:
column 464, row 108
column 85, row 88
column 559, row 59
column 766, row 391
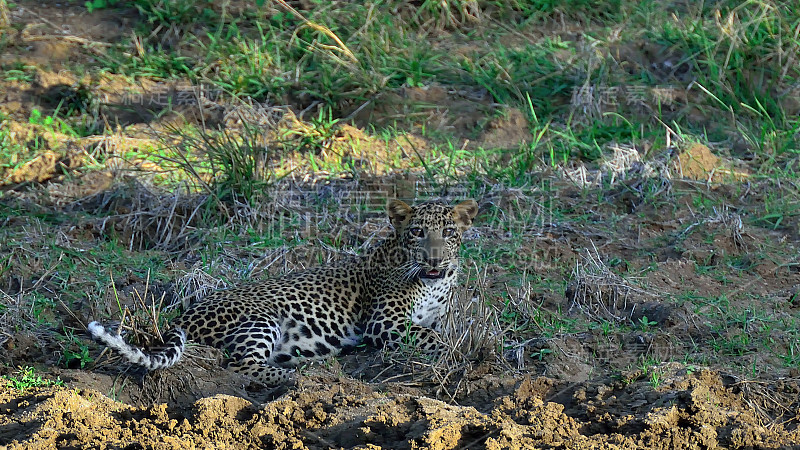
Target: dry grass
column 144, row 217
column 600, row 294
column 774, row 404
column 143, row 318
column 5, row 21
column 625, row 164
column 17, row 314
column 470, row 335
column 195, row 284
column 728, row 219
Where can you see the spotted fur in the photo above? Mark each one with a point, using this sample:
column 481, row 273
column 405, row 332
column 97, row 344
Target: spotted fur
column 397, row 290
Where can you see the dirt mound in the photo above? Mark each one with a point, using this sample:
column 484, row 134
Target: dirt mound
column 698, row 162
column 685, row 409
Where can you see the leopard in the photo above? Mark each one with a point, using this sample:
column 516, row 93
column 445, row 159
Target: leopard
column 398, row 288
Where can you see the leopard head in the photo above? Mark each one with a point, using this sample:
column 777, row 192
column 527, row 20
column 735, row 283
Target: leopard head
column 430, row 234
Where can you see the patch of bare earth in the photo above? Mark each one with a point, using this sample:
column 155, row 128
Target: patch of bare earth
column 702, row 409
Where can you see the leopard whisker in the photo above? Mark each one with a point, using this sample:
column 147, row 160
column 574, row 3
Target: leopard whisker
column 412, row 270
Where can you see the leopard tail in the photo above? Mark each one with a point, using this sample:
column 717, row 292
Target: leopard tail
column 166, row 356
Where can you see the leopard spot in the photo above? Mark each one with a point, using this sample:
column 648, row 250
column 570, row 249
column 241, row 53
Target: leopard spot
column 321, row 349
column 282, row 358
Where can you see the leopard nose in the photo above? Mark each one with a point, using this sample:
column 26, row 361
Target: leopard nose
column 434, row 262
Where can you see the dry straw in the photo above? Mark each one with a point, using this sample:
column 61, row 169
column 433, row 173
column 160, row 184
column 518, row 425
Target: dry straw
column 470, row 334
column 5, row 20
column 599, row 293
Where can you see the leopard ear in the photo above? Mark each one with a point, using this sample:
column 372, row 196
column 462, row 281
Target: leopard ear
column 398, row 212
column 464, row 212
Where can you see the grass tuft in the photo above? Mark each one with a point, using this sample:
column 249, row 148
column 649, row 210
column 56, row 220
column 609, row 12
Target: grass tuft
column 600, row 294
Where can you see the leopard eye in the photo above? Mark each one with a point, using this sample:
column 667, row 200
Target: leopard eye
column 447, row 232
column 416, row 232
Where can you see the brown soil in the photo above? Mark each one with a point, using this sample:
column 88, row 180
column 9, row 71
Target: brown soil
column 698, row 162
column 686, row 410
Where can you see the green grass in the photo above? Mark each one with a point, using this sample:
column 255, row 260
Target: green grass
column 742, row 332
column 240, row 162
column 76, row 352
column 17, row 71
column 12, row 154
column 27, row 378
column 346, row 56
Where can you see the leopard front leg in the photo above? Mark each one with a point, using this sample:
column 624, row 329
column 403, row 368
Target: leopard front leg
column 256, row 369
column 395, row 331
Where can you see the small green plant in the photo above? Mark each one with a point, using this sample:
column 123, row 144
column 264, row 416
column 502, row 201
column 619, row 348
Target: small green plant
column 52, row 123
column 42, row 308
column 36, row 118
column 646, row 363
column 656, row 377
column 94, row 5
column 541, row 353
column 509, row 314
column 10, row 151
column 76, row 353
column 18, row 71
column 791, row 358
column 734, row 344
column 646, row 324
column 408, row 344
column 236, row 166
column 605, row 326
column 26, row 378
column 315, row 136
